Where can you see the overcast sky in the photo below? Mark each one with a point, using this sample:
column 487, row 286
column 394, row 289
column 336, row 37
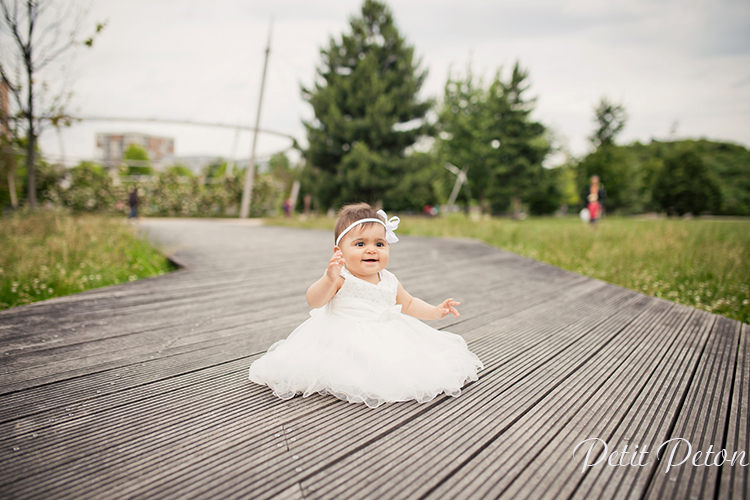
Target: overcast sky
column 680, row 68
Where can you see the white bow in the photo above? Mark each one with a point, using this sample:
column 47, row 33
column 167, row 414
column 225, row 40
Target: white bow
column 390, row 226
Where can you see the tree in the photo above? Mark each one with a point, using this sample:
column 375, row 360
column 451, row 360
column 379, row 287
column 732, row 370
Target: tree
column 490, row 130
column 215, row 170
column 519, row 144
column 8, row 143
column 180, row 170
column 612, row 163
column 544, row 198
column 367, row 114
column 34, row 34
column 684, row 185
column 726, row 164
column 463, row 140
column 616, row 168
column 137, row 160
column 565, row 180
column 281, row 169
column 611, row 119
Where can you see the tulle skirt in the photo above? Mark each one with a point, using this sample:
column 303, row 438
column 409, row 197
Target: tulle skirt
column 363, row 354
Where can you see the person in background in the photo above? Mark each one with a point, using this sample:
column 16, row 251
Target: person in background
column 133, row 202
column 595, row 196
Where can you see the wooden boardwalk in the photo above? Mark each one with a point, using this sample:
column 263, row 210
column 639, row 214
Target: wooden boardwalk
column 140, row 390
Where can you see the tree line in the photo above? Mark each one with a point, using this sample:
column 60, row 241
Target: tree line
column 367, row 141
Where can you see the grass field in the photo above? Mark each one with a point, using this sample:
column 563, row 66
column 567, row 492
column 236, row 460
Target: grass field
column 51, row 254
column 702, row 263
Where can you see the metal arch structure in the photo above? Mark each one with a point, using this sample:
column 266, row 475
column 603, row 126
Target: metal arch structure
column 187, row 122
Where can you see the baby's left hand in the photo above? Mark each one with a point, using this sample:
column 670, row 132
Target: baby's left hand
column 445, row 308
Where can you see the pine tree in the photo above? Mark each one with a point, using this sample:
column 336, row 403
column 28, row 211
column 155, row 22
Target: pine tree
column 462, row 140
column 490, row 130
column 519, row 143
column 365, row 101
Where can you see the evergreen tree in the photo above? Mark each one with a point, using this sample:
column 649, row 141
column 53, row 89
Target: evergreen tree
column 463, row 139
column 365, row 103
column 518, row 173
column 491, row 130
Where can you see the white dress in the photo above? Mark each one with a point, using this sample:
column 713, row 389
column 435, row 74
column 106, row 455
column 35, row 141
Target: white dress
column 360, row 348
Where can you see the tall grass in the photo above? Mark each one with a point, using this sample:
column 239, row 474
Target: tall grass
column 51, row 254
column 701, row 263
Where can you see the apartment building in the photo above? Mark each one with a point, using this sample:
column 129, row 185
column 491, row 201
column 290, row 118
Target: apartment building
column 111, row 147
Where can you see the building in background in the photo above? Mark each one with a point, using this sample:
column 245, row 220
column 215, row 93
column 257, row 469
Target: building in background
column 111, row 147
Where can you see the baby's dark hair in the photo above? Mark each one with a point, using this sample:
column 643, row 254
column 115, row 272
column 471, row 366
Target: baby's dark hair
column 352, row 213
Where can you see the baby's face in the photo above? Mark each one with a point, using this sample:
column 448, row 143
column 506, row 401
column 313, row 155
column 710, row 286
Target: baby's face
column 365, row 250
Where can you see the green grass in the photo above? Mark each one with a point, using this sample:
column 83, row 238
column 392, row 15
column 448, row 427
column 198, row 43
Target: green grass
column 700, row 262
column 51, row 254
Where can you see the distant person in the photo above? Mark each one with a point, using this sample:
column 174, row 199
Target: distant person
column 430, row 210
column 287, row 207
column 364, row 342
column 133, row 202
column 595, row 196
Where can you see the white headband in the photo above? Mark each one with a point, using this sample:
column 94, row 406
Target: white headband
column 390, row 226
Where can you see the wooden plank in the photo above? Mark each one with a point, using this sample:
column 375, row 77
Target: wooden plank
column 138, row 340
column 651, row 416
column 110, row 460
column 248, row 455
column 735, row 484
column 702, row 419
column 603, row 399
column 119, row 381
column 488, row 411
column 151, row 405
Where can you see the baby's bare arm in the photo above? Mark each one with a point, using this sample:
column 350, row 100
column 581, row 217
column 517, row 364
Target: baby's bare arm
column 326, row 287
column 420, row 309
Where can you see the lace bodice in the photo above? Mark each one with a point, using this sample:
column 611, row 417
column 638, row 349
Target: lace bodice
column 382, row 293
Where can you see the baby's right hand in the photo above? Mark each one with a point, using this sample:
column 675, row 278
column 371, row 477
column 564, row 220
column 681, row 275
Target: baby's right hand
column 335, row 265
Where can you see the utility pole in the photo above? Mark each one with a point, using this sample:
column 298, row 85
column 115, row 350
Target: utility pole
column 247, row 192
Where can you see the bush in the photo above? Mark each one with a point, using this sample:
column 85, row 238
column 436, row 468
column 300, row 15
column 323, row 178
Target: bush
column 684, row 185
column 86, row 188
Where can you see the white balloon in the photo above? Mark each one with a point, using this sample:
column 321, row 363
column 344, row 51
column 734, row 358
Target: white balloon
column 585, row 215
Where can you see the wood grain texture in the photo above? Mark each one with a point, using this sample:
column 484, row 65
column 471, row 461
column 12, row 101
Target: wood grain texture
column 140, row 390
